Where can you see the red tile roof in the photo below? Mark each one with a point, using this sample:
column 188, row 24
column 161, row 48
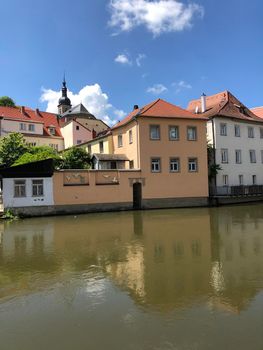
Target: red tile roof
column 34, row 116
column 258, row 111
column 159, row 109
column 223, row 104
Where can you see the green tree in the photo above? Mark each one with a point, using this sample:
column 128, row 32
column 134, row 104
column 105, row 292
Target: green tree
column 37, row 153
column 12, row 147
column 76, row 158
column 7, row 101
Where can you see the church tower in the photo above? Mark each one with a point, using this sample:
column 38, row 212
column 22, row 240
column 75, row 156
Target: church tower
column 64, row 102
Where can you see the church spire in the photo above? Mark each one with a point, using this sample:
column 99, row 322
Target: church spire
column 64, row 102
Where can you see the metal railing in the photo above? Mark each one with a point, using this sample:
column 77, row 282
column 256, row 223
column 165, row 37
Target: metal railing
column 236, row 190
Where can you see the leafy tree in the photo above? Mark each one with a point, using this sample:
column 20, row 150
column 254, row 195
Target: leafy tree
column 7, row 101
column 12, row 147
column 76, row 158
column 37, row 153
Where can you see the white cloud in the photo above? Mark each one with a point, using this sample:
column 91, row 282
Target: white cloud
column 181, row 85
column 157, row 89
column 91, row 96
column 158, row 16
column 123, row 59
column 139, row 59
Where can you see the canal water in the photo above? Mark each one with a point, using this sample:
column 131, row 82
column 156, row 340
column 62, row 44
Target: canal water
column 159, row 280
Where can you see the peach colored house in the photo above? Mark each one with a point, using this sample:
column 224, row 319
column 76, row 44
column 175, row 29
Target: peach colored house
column 167, row 164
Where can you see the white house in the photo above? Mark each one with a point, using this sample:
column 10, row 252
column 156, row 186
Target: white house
column 236, row 135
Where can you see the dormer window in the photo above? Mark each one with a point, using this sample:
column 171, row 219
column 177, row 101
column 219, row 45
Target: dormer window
column 52, row 130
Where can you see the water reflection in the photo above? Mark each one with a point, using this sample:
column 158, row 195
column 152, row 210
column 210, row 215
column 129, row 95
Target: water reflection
column 164, row 260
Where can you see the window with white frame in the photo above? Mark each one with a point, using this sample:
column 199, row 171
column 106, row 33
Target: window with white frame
column 173, row 132
column 22, row 126
column 37, row 188
column 130, row 136
column 192, row 164
column 225, row 180
column 237, row 130
column 241, row 180
column 223, row 129
column 238, row 156
column 119, row 140
column 19, row 188
column 250, row 132
column 224, row 155
column 254, row 179
column 156, row 165
column 252, row 156
column 261, row 132
column 155, row 132
column 191, row 133
column 31, row 127
column 174, row 165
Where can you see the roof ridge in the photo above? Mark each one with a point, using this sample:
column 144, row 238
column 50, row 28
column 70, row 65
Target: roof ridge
column 151, row 105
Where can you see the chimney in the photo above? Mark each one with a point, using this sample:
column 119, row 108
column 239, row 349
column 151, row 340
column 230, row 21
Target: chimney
column 22, row 110
column 38, row 113
column 203, row 103
column 135, row 107
column 94, row 134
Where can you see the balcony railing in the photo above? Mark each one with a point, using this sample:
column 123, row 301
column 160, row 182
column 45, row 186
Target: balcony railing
column 237, row 190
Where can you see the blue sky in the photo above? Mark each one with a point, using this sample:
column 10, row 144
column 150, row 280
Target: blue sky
column 123, row 52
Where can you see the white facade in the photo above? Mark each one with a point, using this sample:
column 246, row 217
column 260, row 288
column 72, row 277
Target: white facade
column 240, row 157
column 27, row 199
column 23, row 126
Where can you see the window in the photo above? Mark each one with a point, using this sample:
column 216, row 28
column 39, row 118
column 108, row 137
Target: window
column 254, row 179
column 52, row 130
column 101, row 147
column 22, row 126
column 173, row 133
column 224, row 155
column 79, row 142
column 261, row 132
column 37, row 188
column 32, row 144
column 131, row 164
column 241, row 180
column 174, row 165
column 54, row 146
column 191, row 133
column 77, row 127
column 155, row 132
column 192, row 164
column 130, row 136
column 156, row 165
column 89, row 149
column 20, row 188
column 237, row 131
column 225, row 180
column 223, row 129
column 31, row 127
column 252, row 156
column 238, row 156
column 119, row 140
column 250, row 132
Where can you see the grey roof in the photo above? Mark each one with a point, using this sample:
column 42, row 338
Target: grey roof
column 105, row 157
column 78, row 110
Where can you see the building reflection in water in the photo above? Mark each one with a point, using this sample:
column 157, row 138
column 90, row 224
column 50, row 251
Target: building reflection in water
column 164, row 259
